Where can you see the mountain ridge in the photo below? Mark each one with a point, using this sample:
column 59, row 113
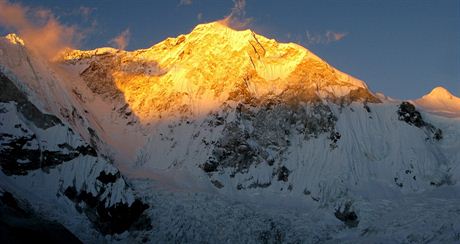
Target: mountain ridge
column 221, row 128
column 211, row 62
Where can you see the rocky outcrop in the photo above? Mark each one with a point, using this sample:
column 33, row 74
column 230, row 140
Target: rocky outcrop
column 410, row 115
column 347, row 216
column 20, row 224
column 261, row 133
column 21, row 148
column 109, row 219
column 10, row 93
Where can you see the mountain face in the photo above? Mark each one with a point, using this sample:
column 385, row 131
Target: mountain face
column 222, row 128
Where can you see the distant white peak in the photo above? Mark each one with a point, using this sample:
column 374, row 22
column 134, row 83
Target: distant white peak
column 440, row 93
column 15, row 39
column 441, row 102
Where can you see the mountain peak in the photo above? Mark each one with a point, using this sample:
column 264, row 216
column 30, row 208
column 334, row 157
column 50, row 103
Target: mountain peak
column 440, row 93
column 216, row 25
column 441, row 102
column 219, row 34
column 214, row 63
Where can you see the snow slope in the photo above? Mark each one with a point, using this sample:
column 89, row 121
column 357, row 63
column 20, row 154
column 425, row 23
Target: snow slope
column 46, row 163
column 233, row 137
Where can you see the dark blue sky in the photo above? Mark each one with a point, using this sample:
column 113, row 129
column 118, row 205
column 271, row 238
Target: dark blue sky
column 402, row 48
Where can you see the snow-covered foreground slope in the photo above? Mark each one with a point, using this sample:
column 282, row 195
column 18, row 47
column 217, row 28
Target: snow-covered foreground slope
column 46, row 163
column 229, row 137
column 197, row 217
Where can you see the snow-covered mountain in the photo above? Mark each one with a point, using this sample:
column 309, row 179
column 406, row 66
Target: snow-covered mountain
column 440, row 101
column 221, row 128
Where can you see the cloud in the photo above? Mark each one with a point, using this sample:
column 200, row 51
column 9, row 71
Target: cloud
column 86, row 12
column 237, row 18
column 324, row 38
column 185, row 2
column 39, row 28
column 335, row 36
column 199, row 16
column 121, row 41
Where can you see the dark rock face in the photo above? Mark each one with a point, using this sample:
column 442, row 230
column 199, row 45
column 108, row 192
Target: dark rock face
column 10, row 92
column 13, row 151
column 358, row 95
column 17, row 159
column 109, row 220
column 94, row 138
column 410, row 115
column 334, row 137
column 18, row 156
column 102, row 71
column 261, row 131
column 347, row 216
column 7, row 199
column 283, row 174
column 217, row 183
column 209, row 167
column 437, row 134
column 107, row 178
column 19, row 224
column 363, row 95
column 253, row 185
column 121, row 217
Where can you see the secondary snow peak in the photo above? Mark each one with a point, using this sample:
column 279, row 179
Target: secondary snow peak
column 440, row 101
column 440, row 93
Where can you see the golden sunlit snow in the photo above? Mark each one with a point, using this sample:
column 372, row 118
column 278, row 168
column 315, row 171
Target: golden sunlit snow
column 204, row 68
